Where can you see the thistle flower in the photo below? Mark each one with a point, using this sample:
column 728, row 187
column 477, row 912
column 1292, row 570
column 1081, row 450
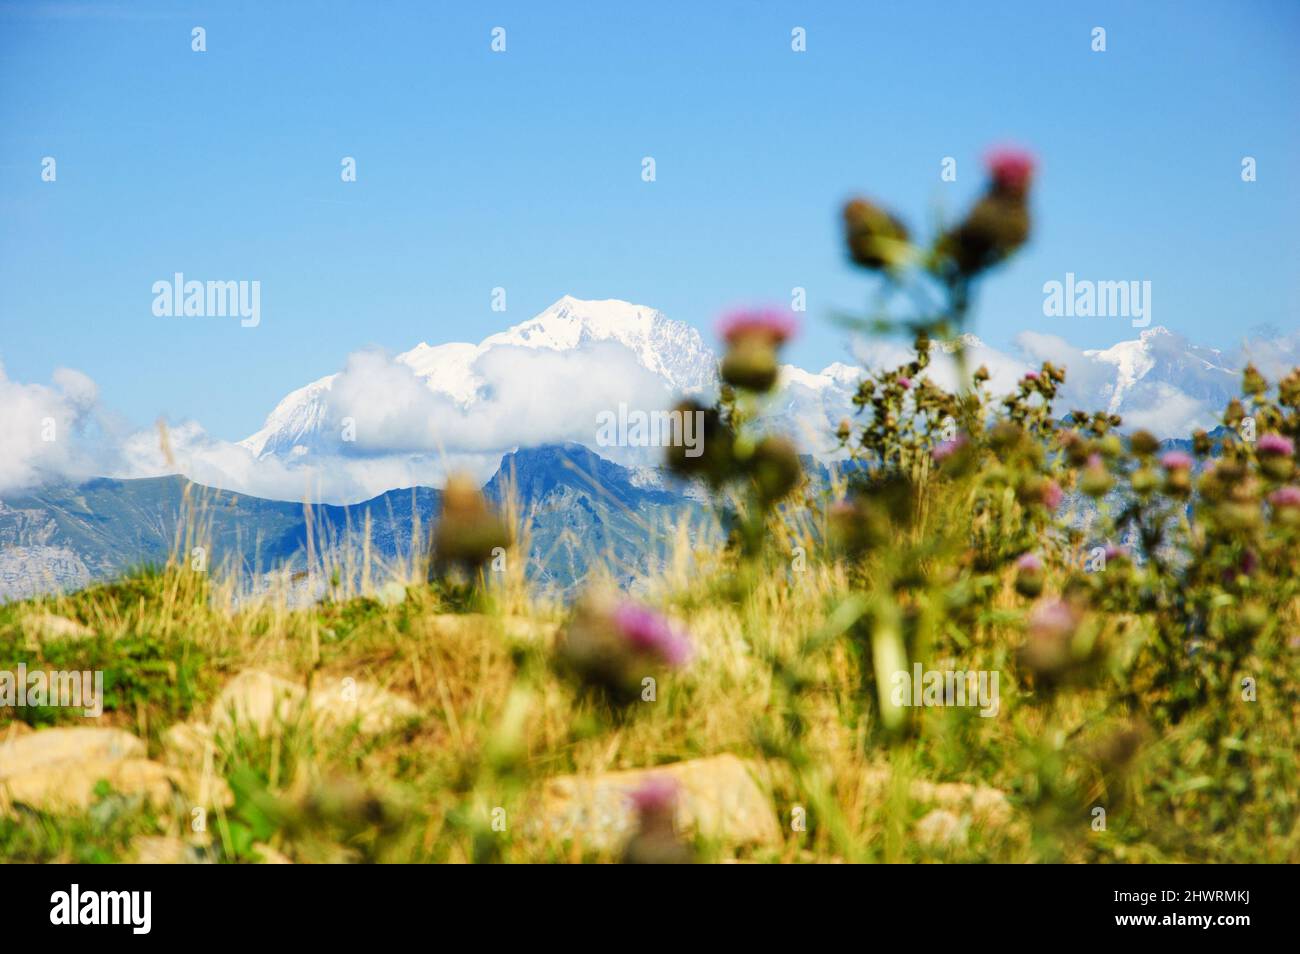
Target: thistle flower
column 1178, row 473
column 999, row 222
column 468, row 532
column 1049, row 645
column 1029, row 575
column 905, row 383
column 1288, row 496
column 1096, row 479
column 1051, row 494
column 1143, row 443
column 753, row 338
column 1275, row 445
column 656, row 841
column 1011, row 169
column 775, row 468
column 610, row 646
column 946, row 451
column 1275, row 454
column 772, row 325
column 649, row 633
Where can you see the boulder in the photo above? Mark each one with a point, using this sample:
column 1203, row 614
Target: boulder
column 717, row 797
column 45, row 626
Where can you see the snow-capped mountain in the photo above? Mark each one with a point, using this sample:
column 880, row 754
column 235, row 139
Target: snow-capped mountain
column 546, row 379
column 670, row 351
column 1160, row 362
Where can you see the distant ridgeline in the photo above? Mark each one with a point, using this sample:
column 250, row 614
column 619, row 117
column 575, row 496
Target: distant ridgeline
column 579, row 511
column 578, row 508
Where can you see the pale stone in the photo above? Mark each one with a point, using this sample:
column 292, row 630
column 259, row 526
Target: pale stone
column 269, row 856
column 717, row 797
column 186, row 743
column 980, row 803
column 36, row 751
column 942, row 828
column 256, row 701
column 165, row 850
column 44, row 626
column 70, row 786
column 341, row 703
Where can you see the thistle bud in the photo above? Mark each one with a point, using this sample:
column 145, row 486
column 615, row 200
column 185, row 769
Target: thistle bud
column 775, row 467
column 875, row 238
column 468, row 531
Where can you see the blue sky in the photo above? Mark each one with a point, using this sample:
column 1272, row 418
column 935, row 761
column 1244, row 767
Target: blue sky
column 522, row 170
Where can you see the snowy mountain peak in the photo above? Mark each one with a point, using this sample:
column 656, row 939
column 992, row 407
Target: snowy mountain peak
column 668, row 348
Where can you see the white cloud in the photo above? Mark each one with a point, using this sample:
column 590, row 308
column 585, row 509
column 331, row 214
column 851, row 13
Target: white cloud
column 42, row 429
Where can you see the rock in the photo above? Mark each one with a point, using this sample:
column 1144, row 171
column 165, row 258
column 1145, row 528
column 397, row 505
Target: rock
column 257, row 700
column 979, row 803
column 165, row 850
column 43, row 626
column 716, row 797
column 70, row 786
column 341, row 703
column 391, row 593
column 942, row 828
column 186, row 743
column 38, row 751
column 268, row 855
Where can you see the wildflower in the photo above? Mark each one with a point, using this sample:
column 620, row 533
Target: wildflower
column 1031, row 375
column 611, row 646
column 715, row 462
column 1011, row 169
column 1285, row 502
column 1275, row 454
column 876, row 239
column 1051, row 494
column 999, row 222
column 656, row 841
column 775, row 467
column 1178, row 473
column 1096, row 480
column 648, row 632
column 905, row 383
column 1049, row 649
column 1029, row 575
column 468, row 533
column 1143, row 443
column 753, row 338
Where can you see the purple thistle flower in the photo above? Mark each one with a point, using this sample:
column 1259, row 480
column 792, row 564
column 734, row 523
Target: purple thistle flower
column 1054, row 619
column 1052, row 494
column 1275, row 445
column 775, row 325
column 905, row 383
column 656, row 795
column 1288, row 496
column 1176, row 460
column 1031, row 375
column 1029, row 563
column 1011, row 168
column 648, row 632
column 946, row 449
